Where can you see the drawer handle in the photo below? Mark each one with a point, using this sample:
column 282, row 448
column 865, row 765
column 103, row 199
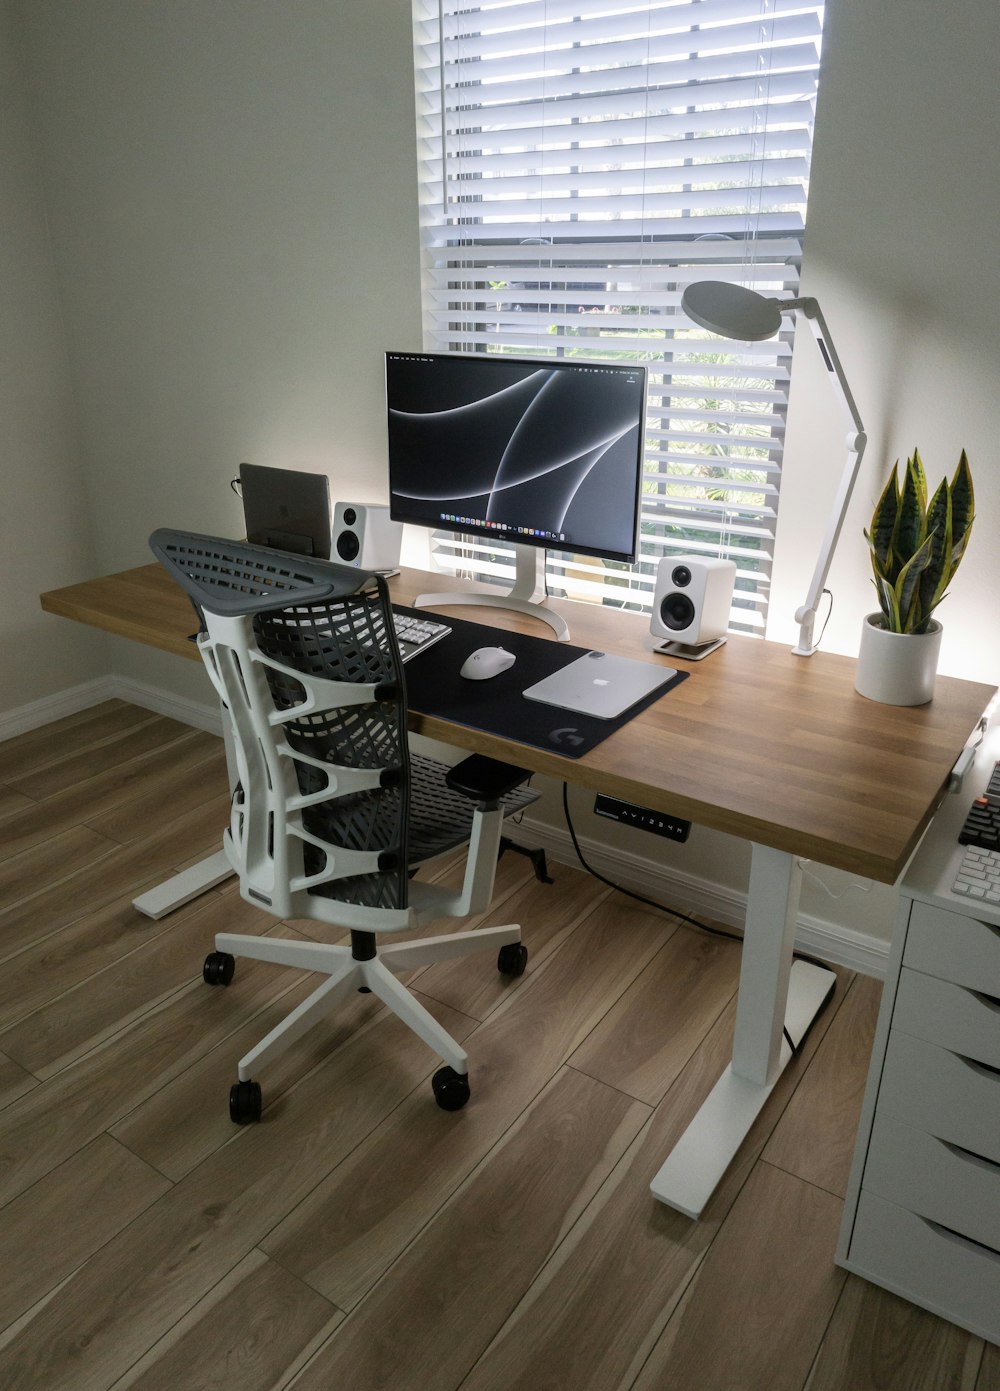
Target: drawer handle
column 987, row 1001
column 970, row 1156
column 959, row 1240
column 984, row 1069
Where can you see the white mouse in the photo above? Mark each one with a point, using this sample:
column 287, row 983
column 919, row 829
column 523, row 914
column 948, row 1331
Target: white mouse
column 486, row 662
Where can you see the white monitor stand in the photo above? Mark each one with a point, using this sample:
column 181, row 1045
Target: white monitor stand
column 527, row 596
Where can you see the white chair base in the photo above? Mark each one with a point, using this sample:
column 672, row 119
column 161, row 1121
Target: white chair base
column 346, row 974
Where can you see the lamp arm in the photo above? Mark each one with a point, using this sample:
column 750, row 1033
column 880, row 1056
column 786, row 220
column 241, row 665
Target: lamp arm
column 856, row 441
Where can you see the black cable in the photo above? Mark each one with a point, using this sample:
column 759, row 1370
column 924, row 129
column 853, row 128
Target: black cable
column 684, row 917
column 826, row 620
column 630, row 893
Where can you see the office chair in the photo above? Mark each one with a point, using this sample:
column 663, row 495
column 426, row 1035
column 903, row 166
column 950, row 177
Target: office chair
column 331, row 812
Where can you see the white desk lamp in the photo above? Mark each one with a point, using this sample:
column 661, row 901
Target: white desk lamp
column 736, row 312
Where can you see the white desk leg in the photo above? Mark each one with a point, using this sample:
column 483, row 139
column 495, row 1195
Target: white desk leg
column 773, row 991
column 199, row 878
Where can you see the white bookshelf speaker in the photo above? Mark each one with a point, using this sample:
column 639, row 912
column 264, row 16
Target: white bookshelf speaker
column 366, row 536
column 691, row 604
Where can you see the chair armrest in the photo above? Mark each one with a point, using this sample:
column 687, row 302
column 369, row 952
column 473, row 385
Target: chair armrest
column 485, row 779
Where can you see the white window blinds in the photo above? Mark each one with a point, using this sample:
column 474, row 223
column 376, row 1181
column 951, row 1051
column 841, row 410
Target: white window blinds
column 581, row 162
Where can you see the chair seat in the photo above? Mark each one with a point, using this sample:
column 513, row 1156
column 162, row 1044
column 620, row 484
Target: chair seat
column 440, row 818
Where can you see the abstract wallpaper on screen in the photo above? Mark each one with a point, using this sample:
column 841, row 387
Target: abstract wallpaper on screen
column 535, row 447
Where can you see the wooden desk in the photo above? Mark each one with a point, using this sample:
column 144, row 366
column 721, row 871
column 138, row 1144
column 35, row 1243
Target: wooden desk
column 775, row 749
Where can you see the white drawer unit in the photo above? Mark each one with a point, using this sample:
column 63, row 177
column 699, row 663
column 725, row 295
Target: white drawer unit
column 922, row 1211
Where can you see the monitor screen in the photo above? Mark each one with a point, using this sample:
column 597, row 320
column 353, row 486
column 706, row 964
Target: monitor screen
column 537, row 451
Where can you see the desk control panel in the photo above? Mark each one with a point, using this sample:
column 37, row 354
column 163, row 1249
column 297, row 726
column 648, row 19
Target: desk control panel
column 642, row 818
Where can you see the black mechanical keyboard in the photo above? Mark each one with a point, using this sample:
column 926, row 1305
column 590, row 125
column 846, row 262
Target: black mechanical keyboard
column 979, row 873
column 982, row 825
column 416, row 634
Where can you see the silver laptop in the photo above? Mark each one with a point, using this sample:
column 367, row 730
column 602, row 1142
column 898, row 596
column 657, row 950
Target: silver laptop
column 601, row 685
column 287, row 509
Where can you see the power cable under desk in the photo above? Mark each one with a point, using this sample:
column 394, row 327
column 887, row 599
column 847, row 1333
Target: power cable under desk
column 684, row 917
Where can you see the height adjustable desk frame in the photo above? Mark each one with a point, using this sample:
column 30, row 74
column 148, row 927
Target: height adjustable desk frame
column 828, row 776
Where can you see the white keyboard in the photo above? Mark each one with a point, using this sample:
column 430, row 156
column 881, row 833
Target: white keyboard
column 979, row 875
column 416, row 634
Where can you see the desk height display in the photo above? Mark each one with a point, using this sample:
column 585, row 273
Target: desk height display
column 818, row 773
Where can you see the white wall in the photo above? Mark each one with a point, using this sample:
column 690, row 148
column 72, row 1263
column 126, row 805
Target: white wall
column 232, row 193
column 231, row 188
column 44, row 531
column 904, row 207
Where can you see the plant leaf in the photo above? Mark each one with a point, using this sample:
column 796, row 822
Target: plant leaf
column 910, row 530
column 884, row 523
column 908, row 588
column 934, row 580
column 963, row 508
column 888, row 605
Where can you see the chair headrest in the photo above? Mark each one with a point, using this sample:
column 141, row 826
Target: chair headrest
column 237, row 577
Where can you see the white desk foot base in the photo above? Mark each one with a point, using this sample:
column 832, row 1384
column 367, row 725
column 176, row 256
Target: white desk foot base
column 158, row 902
column 704, row 1152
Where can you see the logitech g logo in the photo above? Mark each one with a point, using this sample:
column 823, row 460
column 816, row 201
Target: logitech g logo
column 567, row 736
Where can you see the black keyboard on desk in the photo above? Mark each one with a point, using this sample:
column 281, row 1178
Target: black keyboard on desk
column 979, row 873
column 982, row 825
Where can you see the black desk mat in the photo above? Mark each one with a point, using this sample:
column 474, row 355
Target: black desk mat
column 496, row 706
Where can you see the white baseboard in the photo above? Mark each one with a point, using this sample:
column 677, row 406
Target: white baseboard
column 198, row 714
column 56, row 707
column 830, row 942
column 690, row 893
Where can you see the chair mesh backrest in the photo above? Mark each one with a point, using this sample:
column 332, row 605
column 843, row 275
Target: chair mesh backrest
column 326, row 621
column 237, row 577
column 348, row 639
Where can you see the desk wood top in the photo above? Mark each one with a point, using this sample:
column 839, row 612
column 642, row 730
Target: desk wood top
column 768, row 747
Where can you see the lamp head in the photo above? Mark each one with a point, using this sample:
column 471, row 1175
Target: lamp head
column 732, row 310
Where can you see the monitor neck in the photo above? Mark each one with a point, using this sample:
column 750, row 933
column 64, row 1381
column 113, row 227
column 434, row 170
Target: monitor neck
column 528, row 594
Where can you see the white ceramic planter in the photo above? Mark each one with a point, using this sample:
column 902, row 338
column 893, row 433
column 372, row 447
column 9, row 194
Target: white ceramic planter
column 897, row 668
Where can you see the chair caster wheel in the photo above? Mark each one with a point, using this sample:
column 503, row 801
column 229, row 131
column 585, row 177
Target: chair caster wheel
column 219, row 968
column 512, row 959
column 451, row 1089
column 245, row 1103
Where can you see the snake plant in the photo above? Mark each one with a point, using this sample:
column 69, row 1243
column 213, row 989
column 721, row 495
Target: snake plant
column 916, row 547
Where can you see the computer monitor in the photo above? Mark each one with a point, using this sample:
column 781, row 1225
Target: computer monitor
column 534, row 452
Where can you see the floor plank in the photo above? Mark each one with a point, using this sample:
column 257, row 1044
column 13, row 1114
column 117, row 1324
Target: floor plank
column 36, row 878
column 61, row 1115
column 37, row 749
column 47, row 969
column 252, row 1332
column 879, row 1342
column 989, row 1372
column 71, row 770
column 546, row 913
column 513, row 1245
column 815, row 1139
column 44, row 906
column 770, row 1269
column 132, row 1291
column 106, row 1002
column 413, row 1331
column 49, row 1230
column 401, row 1175
column 597, row 1308
column 117, row 802
column 687, row 985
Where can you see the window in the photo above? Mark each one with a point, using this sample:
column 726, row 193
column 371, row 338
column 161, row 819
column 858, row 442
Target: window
column 580, row 163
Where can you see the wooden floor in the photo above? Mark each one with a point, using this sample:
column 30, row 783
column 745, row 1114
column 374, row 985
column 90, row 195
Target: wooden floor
column 359, row 1237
